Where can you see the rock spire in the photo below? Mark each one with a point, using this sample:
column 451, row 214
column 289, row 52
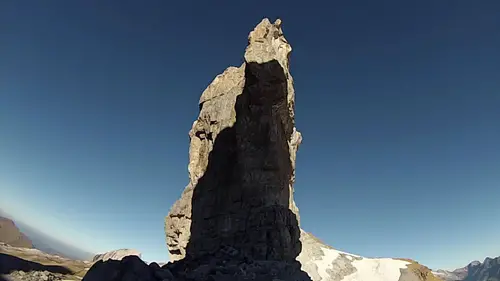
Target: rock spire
column 242, row 160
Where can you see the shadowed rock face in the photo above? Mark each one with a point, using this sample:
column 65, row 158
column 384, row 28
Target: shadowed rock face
column 489, row 270
column 242, row 160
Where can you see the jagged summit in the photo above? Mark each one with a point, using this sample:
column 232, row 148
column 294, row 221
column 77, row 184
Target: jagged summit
column 488, row 270
column 267, row 42
column 474, row 263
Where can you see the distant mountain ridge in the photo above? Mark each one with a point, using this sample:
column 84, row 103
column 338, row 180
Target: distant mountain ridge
column 45, row 242
column 488, row 270
column 51, row 245
column 10, row 234
column 455, row 275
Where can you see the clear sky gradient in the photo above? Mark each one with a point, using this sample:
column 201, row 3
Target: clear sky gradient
column 398, row 103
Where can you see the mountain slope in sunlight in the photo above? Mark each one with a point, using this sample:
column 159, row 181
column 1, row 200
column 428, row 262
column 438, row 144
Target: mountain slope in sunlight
column 324, row 263
column 41, row 241
column 51, row 245
column 10, row 234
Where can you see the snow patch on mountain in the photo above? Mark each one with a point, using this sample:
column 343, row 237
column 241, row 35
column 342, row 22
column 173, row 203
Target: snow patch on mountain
column 325, row 263
column 377, row 270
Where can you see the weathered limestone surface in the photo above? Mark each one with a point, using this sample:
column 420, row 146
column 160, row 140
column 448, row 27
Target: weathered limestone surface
column 242, row 160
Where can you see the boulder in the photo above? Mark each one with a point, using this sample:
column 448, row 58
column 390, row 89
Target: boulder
column 129, row 268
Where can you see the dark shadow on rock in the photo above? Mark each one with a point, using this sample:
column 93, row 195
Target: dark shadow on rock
column 241, row 217
column 10, row 263
column 242, row 202
column 129, row 268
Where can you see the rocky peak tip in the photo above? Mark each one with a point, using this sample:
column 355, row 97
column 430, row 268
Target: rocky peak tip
column 266, row 22
column 266, row 42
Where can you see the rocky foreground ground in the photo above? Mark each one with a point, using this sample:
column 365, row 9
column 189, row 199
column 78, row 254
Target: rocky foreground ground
column 318, row 262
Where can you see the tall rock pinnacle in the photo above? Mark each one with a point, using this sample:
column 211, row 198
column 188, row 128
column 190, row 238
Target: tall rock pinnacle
column 242, row 160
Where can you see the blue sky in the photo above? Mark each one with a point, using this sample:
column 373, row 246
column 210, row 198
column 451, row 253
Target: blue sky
column 398, row 104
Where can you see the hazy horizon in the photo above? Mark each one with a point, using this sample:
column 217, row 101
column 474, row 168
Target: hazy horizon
column 38, row 236
column 71, row 244
column 397, row 103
